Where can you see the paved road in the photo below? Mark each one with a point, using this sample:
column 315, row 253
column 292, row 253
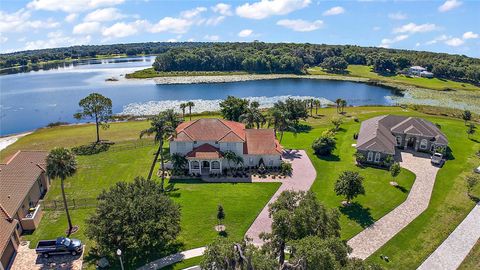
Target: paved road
column 451, row 253
column 174, row 258
column 302, row 179
column 372, row 238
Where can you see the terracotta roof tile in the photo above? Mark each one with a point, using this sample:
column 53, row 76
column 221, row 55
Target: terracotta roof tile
column 205, row 151
column 6, row 229
column 261, row 142
column 210, row 129
column 17, row 177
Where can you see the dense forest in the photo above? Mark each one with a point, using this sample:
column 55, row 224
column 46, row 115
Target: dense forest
column 262, row 57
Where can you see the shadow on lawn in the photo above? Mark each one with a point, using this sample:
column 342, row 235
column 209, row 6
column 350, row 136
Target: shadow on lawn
column 329, row 157
column 402, row 189
column 358, row 213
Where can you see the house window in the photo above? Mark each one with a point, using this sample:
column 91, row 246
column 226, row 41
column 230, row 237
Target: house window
column 432, row 147
column 377, row 157
column 215, row 165
column 195, row 165
column 399, row 140
column 370, row 156
column 423, row 144
column 250, row 161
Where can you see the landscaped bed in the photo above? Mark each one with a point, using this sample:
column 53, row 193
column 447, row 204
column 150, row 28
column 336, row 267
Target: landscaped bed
column 130, row 157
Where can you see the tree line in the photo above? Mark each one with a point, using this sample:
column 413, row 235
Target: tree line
column 262, row 57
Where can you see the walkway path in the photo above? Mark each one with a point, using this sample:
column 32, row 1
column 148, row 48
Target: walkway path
column 302, row 179
column 372, row 238
column 8, row 140
column 174, row 258
column 451, row 253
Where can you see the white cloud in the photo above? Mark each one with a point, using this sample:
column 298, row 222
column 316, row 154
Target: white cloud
column 334, row 11
column 469, row 35
column 192, row 13
column 449, row 5
column 414, row 28
column 266, row 8
column 454, row 42
column 172, row 40
column 103, row 15
column 301, row 25
column 20, row 21
column 86, row 28
column 437, row 39
column 214, row 20
column 397, row 16
column 212, row 37
column 386, row 42
column 245, row 33
column 223, row 9
column 376, row 28
column 172, row 25
column 71, row 5
column 71, row 17
column 3, row 39
column 55, row 40
column 122, row 29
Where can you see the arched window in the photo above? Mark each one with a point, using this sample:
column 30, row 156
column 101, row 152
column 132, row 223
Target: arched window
column 377, row 157
column 195, row 165
column 370, row 156
column 215, row 165
column 423, row 144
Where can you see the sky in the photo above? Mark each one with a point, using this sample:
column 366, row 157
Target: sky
column 451, row 26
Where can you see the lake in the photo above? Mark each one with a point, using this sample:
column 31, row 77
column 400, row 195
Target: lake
column 34, row 99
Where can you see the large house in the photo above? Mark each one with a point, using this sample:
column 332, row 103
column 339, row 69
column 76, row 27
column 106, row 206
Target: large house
column 23, row 182
column 420, row 72
column 204, row 141
column 381, row 136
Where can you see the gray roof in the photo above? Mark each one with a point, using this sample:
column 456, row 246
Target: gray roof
column 376, row 133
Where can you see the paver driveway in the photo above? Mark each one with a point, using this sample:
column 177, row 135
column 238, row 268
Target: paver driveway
column 375, row 236
column 302, row 179
column 26, row 258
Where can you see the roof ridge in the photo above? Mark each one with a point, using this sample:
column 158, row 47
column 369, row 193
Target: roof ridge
column 9, row 218
column 231, row 129
column 11, row 158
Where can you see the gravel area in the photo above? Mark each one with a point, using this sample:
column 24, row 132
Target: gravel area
column 372, row 238
column 451, row 253
column 26, row 258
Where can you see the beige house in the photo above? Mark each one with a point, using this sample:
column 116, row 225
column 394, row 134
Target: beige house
column 204, row 141
column 23, row 182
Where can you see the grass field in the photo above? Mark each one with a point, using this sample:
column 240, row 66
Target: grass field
column 151, row 73
column 366, row 72
column 407, row 250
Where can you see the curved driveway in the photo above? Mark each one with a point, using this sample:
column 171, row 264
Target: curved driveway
column 372, row 238
column 302, row 179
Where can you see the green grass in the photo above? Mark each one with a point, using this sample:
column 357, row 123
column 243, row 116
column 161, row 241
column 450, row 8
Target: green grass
column 242, row 202
column 472, row 261
column 151, row 73
column 185, row 264
column 366, row 72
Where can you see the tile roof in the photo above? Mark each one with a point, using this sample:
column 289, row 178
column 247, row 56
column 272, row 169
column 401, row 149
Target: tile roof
column 6, row 229
column 210, row 129
column 17, row 177
column 376, row 133
column 261, row 142
column 205, row 151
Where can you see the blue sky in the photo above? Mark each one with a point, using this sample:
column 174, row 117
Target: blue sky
column 450, row 26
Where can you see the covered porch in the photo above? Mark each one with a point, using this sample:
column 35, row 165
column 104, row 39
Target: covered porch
column 205, row 159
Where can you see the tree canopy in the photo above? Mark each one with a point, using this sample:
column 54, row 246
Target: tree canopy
column 96, row 107
column 232, row 108
column 349, row 184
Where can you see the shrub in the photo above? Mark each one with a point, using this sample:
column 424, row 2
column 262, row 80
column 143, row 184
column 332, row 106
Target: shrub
column 324, row 145
column 56, row 124
column 286, row 168
column 91, row 149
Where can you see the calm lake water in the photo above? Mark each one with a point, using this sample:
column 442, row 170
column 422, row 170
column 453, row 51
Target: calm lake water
column 34, row 99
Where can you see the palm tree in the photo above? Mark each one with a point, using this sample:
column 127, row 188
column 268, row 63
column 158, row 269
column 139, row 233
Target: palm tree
column 343, row 104
column 163, row 125
column 179, row 162
column 279, row 119
column 338, row 101
column 61, row 164
column 252, row 116
column 318, row 104
column 230, row 156
column 183, row 106
column 311, row 103
column 190, row 104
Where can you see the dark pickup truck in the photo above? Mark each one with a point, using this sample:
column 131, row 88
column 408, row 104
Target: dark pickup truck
column 61, row 245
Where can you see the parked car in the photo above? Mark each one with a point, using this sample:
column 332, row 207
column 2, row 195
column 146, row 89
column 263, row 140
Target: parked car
column 61, row 245
column 437, row 159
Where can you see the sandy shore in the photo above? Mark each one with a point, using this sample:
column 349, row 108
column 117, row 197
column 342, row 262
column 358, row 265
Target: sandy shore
column 247, row 77
column 8, row 140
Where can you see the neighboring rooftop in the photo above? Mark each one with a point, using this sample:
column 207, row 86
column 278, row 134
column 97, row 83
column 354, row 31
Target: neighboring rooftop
column 376, row 133
column 17, row 177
